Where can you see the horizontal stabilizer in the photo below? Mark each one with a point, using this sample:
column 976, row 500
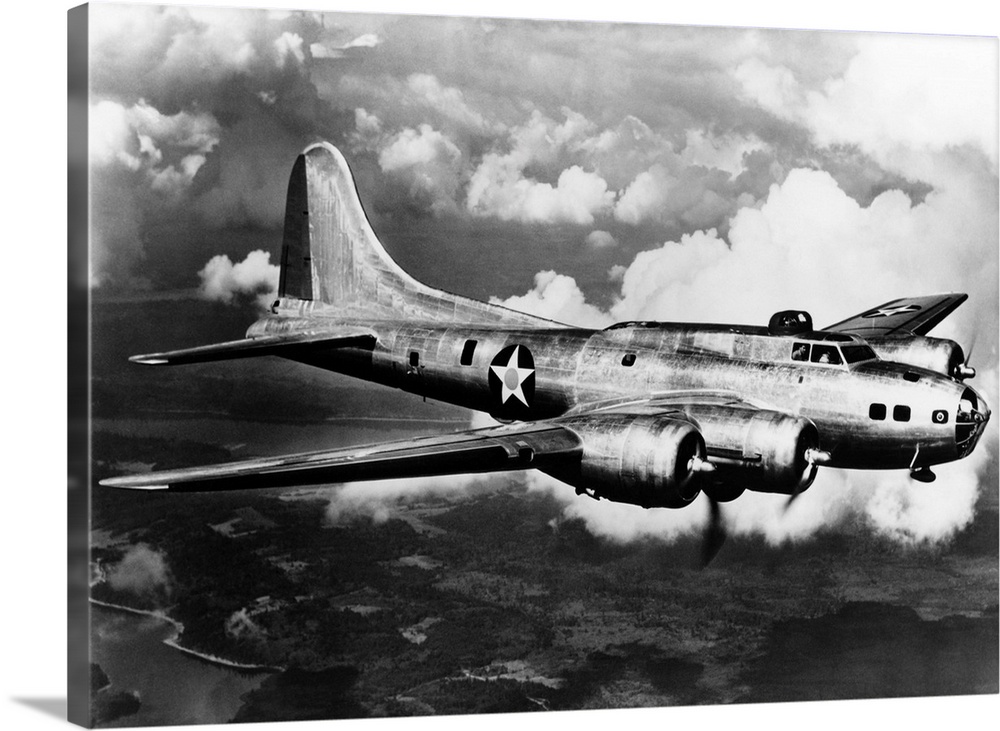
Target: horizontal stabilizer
column 284, row 344
column 903, row 317
column 512, row 447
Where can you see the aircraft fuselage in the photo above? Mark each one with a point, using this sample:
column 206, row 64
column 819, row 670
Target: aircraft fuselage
column 869, row 413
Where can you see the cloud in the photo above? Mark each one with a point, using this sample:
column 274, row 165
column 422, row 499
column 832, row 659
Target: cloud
column 140, row 137
column 142, row 570
column 557, row 297
column 805, row 247
column 724, row 153
column 889, row 503
column 499, row 187
column 693, row 198
column 600, row 240
column 255, row 277
column 322, row 50
column 380, row 500
column 426, row 161
column 289, row 46
column 900, row 90
column 447, row 100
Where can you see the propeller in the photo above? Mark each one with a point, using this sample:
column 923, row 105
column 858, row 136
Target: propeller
column 715, row 533
column 814, row 458
column 964, row 370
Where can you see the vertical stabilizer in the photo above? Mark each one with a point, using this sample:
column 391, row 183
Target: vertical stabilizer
column 330, row 256
column 330, row 253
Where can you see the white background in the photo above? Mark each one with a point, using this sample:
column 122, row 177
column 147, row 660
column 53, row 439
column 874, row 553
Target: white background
column 33, row 628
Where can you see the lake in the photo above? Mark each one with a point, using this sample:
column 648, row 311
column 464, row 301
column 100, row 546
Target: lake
column 174, row 688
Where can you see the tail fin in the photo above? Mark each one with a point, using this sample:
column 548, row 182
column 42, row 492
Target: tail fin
column 330, row 255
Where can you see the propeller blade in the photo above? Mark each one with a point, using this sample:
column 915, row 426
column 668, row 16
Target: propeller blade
column 715, row 533
column 962, row 371
column 814, row 458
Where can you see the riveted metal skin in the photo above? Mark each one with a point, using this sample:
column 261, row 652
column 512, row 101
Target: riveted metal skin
column 638, row 459
column 764, row 451
column 934, row 354
column 575, row 367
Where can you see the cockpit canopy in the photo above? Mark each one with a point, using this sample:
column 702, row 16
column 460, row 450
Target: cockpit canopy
column 831, row 352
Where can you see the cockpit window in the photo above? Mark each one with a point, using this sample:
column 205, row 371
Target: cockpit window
column 826, row 354
column 800, row 351
column 857, row 353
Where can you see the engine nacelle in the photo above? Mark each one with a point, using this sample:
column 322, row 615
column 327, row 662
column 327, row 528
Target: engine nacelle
column 652, row 461
column 764, row 451
column 935, row 354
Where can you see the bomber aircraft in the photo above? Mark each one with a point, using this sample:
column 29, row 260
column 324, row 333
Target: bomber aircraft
column 648, row 413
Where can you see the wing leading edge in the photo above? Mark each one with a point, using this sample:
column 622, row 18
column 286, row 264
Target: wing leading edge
column 494, row 449
column 284, row 344
column 902, row 317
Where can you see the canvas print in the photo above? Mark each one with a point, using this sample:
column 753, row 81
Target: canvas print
column 439, row 365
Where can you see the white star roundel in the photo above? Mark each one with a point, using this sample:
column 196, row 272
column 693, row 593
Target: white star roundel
column 890, row 311
column 512, row 377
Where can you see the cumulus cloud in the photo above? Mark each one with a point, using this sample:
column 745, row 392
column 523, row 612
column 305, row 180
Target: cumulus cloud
column 900, row 90
column 695, row 197
column 501, row 188
column 447, row 100
column 804, row 248
column 288, row 46
column 890, row 504
column 600, row 240
column 142, row 570
column 140, row 137
column 557, row 297
column 380, row 500
column 498, row 188
column 254, row 277
column 426, row 161
column 722, row 153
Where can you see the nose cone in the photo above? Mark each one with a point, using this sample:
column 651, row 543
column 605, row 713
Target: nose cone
column 970, row 422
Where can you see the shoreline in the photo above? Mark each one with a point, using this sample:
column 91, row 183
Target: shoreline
column 174, row 641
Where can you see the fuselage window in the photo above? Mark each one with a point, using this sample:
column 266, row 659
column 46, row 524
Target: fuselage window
column 826, row 354
column 628, row 359
column 800, row 351
column 901, row 413
column 468, row 351
column 876, row 412
column 414, row 359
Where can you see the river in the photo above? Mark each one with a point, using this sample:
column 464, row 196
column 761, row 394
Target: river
column 174, row 688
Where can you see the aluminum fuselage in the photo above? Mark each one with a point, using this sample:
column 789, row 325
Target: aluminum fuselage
column 870, row 415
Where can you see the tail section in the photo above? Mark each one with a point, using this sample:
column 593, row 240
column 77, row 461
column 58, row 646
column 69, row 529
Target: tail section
column 331, row 259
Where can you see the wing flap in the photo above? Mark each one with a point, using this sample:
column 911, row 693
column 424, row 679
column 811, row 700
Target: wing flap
column 482, row 450
column 902, row 317
column 283, row 344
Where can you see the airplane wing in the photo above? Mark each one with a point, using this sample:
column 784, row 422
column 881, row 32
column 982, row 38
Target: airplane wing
column 901, row 317
column 284, row 344
column 510, row 447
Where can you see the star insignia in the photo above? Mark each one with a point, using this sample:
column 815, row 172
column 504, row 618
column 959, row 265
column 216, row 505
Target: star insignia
column 512, row 378
column 890, row 311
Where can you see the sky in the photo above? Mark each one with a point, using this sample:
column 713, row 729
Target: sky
column 585, row 172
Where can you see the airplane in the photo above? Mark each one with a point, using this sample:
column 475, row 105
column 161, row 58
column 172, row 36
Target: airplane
column 643, row 412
